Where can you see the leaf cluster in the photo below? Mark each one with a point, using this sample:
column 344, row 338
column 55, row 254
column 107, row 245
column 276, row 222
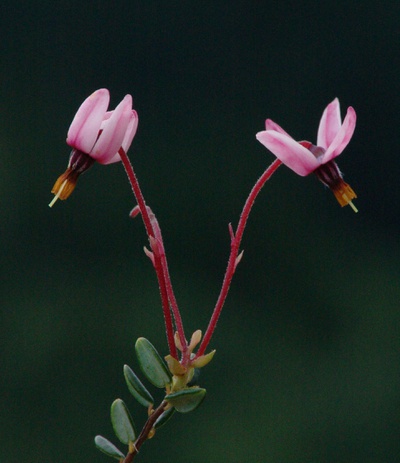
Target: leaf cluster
column 157, row 373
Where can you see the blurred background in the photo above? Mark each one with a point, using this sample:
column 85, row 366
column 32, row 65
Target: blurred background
column 307, row 365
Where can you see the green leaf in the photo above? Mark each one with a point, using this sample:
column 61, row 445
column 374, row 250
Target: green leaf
column 136, row 388
column 152, row 364
column 164, row 418
column 122, row 422
column 186, row 400
column 108, row 448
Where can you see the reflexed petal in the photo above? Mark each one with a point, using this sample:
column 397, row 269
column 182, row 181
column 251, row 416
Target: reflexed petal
column 115, row 158
column 113, row 132
column 84, row 129
column 291, row 153
column 130, row 133
column 106, row 116
column 271, row 125
column 342, row 138
column 330, row 124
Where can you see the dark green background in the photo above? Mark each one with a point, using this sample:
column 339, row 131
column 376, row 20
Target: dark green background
column 307, row 364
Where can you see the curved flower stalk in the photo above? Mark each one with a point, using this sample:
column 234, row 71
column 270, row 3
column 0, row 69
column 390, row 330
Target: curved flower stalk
column 96, row 135
column 303, row 157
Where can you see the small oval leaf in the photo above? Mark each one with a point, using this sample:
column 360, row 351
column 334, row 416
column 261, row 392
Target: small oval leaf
column 136, row 388
column 186, row 400
column 161, row 420
column 108, row 448
column 152, row 364
column 122, row 422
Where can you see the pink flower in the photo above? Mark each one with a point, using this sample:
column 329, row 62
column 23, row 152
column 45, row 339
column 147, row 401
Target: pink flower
column 303, row 157
column 96, row 134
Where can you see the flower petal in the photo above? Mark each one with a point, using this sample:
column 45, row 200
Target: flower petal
column 329, row 125
column 84, row 129
column 271, row 125
column 291, row 153
column 130, row 133
column 113, row 132
column 342, row 138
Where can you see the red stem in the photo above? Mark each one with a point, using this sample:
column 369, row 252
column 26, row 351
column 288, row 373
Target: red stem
column 169, row 327
column 167, row 281
column 235, row 244
column 160, row 266
column 147, row 428
column 136, row 191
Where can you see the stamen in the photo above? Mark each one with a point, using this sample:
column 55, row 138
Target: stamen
column 330, row 175
column 350, row 203
column 58, row 192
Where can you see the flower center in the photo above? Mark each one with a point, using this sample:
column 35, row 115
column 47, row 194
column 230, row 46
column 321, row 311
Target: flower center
column 317, row 151
column 330, row 175
column 79, row 162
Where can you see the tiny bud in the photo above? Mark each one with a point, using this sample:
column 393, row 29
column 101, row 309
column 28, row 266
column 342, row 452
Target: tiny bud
column 150, row 255
column 195, row 339
column 231, row 233
column 177, row 341
column 134, row 212
column 238, row 259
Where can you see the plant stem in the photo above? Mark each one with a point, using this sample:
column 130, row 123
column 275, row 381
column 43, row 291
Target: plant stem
column 153, row 230
column 169, row 328
column 144, row 434
column 136, row 191
column 236, row 239
column 167, row 281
